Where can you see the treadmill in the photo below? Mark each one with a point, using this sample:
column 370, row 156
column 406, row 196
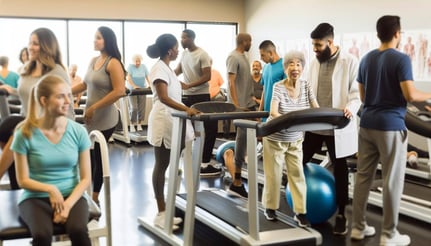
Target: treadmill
column 140, row 136
column 240, row 220
column 123, row 134
column 416, row 198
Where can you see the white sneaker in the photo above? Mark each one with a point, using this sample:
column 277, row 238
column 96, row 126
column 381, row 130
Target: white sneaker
column 132, row 128
column 159, row 221
column 139, row 128
column 357, row 234
column 397, row 240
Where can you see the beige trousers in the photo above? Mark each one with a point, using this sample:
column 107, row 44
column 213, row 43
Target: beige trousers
column 275, row 155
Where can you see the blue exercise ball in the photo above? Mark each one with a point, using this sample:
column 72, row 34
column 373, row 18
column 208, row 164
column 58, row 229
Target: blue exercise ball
column 222, row 148
column 321, row 204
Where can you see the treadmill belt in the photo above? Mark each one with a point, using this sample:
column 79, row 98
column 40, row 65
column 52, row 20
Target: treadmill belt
column 410, row 189
column 232, row 211
column 417, row 191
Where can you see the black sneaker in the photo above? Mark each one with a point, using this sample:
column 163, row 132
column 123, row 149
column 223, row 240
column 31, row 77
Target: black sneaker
column 238, row 190
column 210, row 170
column 270, row 214
column 302, row 220
column 340, row 227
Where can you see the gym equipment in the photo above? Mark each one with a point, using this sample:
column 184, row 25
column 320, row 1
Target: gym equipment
column 124, row 135
column 416, row 198
column 254, row 231
column 4, row 105
column 321, row 204
column 140, row 136
column 222, row 148
column 11, row 227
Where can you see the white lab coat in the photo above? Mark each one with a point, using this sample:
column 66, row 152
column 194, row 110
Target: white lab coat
column 345, row 94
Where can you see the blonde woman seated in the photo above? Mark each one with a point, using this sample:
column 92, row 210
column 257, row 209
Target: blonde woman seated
column 52, row 160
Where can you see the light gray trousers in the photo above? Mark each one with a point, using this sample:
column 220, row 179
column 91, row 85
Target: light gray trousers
column 390, row 149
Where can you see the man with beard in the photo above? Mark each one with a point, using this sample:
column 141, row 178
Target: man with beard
column 332, row 76
column 195, row 65
column 273, row 72
column 241, row 95
column 256, row 69
column 385, row 86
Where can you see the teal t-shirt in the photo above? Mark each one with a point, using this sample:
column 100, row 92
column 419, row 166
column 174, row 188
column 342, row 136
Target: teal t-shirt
column 272, row 73
column 49, row 163
column 11, row 79
column 138, row 74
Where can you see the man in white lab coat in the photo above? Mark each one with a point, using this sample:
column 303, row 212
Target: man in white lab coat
column 332, row 75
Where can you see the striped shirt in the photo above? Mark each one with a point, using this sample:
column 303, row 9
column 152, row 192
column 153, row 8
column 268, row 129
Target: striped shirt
column 287, row 104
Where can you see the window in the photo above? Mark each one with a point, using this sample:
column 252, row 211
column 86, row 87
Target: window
column 18, row 32
column 142, row 34
column 76, row 39
column 81, row 41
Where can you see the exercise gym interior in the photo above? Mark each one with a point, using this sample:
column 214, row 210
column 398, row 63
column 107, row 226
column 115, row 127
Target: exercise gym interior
column 127, row 194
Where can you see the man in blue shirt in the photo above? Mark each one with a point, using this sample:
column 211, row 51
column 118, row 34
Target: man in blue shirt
column 385, row 86
column 272, row 72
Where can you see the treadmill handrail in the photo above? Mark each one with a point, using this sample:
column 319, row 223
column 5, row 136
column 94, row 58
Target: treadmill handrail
column 219, row 111
column 222, row 116
column 140, row 91
column 417, row 125
column 306, row 119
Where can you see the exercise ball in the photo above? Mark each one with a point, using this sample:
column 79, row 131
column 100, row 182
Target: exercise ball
column 222, row 148
column 321, row 204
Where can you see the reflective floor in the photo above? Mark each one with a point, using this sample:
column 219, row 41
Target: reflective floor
column 132, row 197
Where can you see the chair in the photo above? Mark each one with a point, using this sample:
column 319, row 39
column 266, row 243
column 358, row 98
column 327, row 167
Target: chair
column 11, row 227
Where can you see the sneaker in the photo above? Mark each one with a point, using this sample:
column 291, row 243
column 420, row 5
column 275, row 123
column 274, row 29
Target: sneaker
column 302, row 220
column 357, row 234
column 111, row 140
column 340, row 227
column 397, row 240
column 139, row 128
column 159, row 221
column 238, row 190
column 412, row 159
column 132, row 128
column 270, row 214
column 210, row 170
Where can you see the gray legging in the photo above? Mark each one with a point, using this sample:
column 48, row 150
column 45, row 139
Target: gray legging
column 37, row 215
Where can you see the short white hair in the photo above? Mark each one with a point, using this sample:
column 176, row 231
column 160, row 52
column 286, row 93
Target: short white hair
column 294, row 54
column 136, row 56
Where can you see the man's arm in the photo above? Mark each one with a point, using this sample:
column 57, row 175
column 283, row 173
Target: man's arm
column 411, row 94
column 205, row 77
column 232, row 90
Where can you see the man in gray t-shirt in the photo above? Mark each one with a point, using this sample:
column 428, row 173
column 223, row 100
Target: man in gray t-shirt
column 195, row 65
column 240, row 93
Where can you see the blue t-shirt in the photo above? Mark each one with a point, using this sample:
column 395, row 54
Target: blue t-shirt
column 138, row 74
column 272, row 73
column 56, row 164
column 381, row 73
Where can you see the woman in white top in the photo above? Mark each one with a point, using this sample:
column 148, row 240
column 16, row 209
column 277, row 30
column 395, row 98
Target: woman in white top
column 166, row 90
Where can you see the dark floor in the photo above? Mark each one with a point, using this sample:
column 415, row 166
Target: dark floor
column 132, row 197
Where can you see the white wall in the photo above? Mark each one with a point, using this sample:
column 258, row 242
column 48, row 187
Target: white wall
column 287, row 19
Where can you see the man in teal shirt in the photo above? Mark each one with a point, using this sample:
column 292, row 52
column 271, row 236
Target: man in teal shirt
column 273, row 72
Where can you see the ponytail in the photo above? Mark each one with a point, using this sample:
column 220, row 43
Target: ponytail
column 31, row 120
